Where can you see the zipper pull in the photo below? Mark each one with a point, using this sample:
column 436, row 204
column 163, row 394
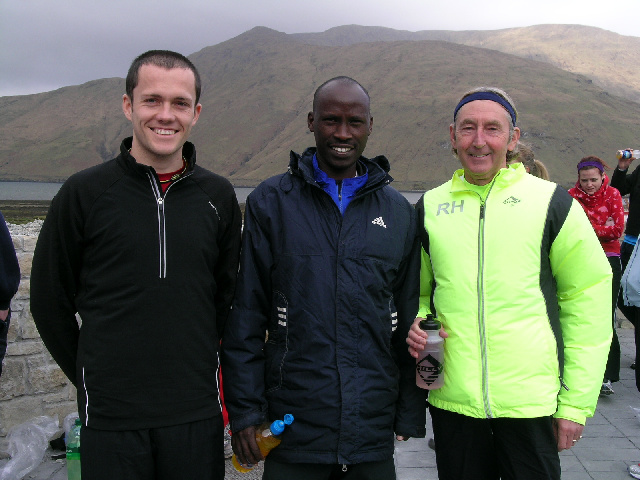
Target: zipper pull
column 481, row 211
column 563, row 385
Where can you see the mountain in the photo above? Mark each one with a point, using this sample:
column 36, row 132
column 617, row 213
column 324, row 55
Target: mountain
column 258, row 88
column 608, row 58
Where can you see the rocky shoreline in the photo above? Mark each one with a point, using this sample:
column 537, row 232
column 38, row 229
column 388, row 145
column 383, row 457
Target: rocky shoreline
column 30, row 229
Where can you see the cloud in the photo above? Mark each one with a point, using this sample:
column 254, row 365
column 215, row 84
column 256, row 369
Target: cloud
column 47, row 45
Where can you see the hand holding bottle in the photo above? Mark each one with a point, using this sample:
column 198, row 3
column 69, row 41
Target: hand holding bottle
column 417, row 338
column 626, row 156
column 254, row 443
column 245, row 446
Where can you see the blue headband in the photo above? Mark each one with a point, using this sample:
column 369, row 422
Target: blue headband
column 494, row 97
column 590, row 163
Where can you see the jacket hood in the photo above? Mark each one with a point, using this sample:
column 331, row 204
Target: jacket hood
column 302, row 166
column 590, row 200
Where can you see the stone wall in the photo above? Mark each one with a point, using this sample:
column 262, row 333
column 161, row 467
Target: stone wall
column 31, row 384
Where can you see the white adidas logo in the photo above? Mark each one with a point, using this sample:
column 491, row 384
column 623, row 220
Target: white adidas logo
column 379, row 221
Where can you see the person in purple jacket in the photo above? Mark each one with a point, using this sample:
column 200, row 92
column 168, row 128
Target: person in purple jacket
column 9, row 281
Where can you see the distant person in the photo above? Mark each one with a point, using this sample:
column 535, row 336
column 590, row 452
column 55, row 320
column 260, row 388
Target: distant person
column 503, row 269
column 531, row 165
column 9, row 283
column 145, row 249
column 329, row 271
column 629, row 184
column 603, row 206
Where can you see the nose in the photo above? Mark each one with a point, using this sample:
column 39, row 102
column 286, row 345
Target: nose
column 165, row 113
column 479, row 140
column 342, row 131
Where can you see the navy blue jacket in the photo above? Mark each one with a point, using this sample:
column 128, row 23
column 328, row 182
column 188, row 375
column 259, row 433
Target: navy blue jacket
column 337, row 296
column 9, row 267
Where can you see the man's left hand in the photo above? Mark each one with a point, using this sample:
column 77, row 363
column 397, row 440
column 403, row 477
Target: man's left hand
column 567, row 433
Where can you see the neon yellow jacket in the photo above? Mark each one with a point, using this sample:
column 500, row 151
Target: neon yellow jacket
column 505, row 274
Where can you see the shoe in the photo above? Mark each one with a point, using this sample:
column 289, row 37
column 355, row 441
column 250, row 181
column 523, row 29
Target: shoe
column 228, row 450
column 432, row 444
column 606, row 388
column 634, row 471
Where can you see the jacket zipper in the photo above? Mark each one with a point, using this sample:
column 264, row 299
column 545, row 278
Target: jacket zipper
column 481, row 318
column 162, row 229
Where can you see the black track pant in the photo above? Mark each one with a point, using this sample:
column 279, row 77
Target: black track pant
column 189, row 451
column 497, row 448
column 384, row 470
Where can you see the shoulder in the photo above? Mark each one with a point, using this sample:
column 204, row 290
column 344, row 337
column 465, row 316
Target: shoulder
column 91, row 182
column 396, row 197
column 212, row 183
column 277, row 185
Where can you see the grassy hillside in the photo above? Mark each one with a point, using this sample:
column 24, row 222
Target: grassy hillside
column 258, row 89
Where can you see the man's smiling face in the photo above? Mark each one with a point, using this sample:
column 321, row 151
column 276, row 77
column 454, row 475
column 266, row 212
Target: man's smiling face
column 341, row 124
column 481, row 137
column 162, row 111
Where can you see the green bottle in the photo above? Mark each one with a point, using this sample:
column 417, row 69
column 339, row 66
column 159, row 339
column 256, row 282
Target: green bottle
column 73, row 452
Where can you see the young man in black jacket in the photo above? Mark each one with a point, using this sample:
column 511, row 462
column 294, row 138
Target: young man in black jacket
column 329, row 267
column 145, row 249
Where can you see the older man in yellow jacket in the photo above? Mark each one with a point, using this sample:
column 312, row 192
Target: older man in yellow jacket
column 523, row 289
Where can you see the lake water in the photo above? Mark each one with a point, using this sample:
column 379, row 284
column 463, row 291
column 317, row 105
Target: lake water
column 46, row 191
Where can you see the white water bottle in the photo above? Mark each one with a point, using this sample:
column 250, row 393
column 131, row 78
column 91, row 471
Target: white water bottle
column 627, row 154
column 430, row 363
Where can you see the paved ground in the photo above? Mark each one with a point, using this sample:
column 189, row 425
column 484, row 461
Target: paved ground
column 611, row 439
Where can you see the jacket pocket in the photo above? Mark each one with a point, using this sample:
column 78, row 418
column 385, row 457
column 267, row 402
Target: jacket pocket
column 276, row 346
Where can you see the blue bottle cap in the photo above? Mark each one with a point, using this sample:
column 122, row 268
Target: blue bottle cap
column 277, row 427
column 288, row 419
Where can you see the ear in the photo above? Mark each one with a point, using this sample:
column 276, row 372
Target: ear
column 310, row 121
column 514, row 139
column 452, row 135
column 127, row 108
column 370, row 125
column 196, row 115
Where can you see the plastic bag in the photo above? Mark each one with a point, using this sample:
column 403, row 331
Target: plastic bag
column 630, row 282
column 27, row 444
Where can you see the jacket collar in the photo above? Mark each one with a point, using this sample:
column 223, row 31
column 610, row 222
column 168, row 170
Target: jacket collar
column 505, row 177
column 377, row 168
column 188, row 153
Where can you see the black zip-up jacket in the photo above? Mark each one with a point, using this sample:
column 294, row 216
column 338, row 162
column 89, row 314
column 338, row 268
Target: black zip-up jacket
column 152, row 277
column 629, row 185
column 337, row 295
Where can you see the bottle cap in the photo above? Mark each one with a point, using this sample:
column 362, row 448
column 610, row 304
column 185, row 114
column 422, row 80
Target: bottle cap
column 430, row 323
column 277, row 427
column 288, row 419
column 78, row 422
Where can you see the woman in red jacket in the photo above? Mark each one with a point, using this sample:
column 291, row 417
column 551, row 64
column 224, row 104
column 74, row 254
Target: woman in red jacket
column 603, row 206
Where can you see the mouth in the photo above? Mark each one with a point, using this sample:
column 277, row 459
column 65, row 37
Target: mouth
column 342, row 149
column 164, row 131
column 479, row 156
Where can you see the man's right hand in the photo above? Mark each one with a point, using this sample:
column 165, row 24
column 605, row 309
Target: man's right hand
column 417, row 338
column 245, row 447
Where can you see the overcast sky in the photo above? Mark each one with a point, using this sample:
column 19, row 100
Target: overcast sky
column 48, row 44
